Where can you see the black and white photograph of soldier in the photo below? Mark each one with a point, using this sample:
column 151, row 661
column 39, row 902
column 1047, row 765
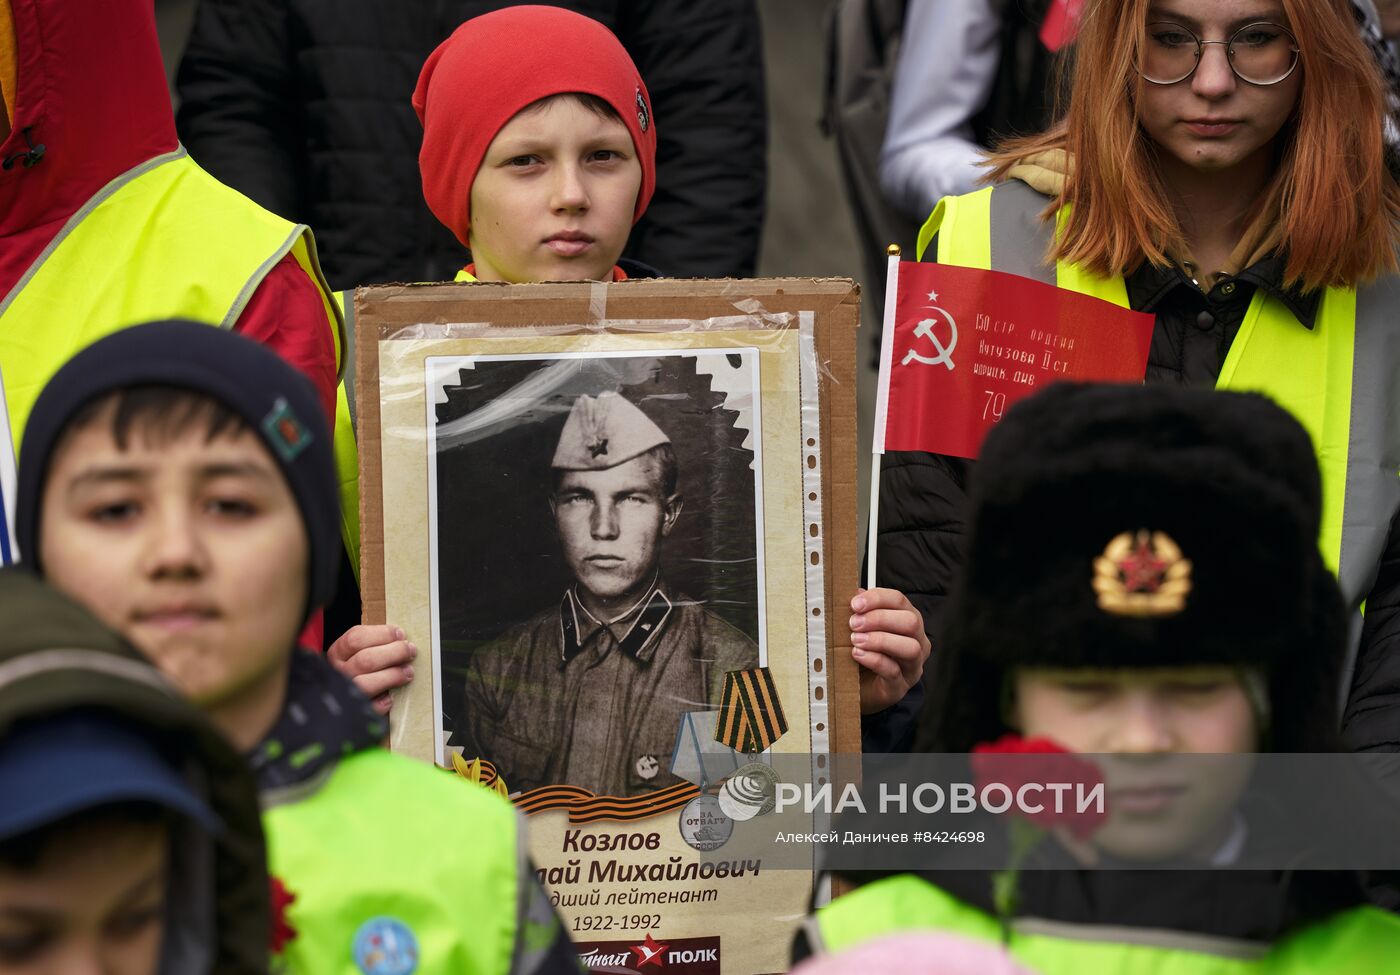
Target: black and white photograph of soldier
column 598, row 557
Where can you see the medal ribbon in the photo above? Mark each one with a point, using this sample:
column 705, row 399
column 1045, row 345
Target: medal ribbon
column 751, row 716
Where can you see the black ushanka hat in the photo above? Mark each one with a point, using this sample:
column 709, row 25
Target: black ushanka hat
column 1132, row 526
column 276, row 401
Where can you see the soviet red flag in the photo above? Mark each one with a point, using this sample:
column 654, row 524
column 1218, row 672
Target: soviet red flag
column 967, row 344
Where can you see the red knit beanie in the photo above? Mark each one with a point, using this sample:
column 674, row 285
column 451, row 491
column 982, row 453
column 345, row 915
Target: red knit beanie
column 495, row 65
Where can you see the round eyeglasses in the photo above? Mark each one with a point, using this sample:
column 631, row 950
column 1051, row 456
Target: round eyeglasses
column 1260, row 54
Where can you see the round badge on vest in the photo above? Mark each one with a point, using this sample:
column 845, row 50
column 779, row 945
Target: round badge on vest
column 386, row 946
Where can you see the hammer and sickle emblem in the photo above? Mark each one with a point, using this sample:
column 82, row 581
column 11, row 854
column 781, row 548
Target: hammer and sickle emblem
column 925, row 330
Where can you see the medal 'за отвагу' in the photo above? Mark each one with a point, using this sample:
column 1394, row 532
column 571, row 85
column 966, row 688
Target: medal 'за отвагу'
column 704, row 826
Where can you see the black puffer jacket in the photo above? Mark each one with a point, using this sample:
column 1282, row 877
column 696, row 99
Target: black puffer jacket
column 304, row 106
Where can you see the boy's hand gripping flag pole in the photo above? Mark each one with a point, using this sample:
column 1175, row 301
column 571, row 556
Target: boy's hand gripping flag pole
column 882, row 405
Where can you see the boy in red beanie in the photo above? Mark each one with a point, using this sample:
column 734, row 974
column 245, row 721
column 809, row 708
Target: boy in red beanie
column 539, row 147
column 539, row 153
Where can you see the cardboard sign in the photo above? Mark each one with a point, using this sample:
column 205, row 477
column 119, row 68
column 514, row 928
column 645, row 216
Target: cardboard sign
column 582, row 611
column 967, row 344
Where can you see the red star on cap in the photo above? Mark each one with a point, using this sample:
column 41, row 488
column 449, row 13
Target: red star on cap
column 649, row 952
column 1143, row 570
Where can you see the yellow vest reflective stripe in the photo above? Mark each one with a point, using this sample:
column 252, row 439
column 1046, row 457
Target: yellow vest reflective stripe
column 347, row 451
column 345, row 850
column 1357, row 941
column 163, row 240
column 1337, row 378
column 347, row 472
column 347, row 457
column 1005, row 219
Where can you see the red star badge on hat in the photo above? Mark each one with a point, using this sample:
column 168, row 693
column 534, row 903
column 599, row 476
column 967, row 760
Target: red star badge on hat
column 1142, row 573
column 1143, row 570
column 649, row 952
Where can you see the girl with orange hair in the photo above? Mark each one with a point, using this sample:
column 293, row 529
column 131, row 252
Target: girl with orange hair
column 1221, row 164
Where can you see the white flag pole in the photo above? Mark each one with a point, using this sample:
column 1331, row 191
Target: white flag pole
column 882, row 405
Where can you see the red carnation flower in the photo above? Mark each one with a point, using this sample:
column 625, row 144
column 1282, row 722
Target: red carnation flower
column 282, row 931
column 1014, row 762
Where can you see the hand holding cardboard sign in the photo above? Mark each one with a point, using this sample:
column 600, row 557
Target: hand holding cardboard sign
column 377, row 658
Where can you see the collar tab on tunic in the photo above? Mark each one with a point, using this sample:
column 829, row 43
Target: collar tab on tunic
column 635, row 632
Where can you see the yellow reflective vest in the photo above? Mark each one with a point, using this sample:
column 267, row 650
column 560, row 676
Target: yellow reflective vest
column 359, row 870
column 1339, row 378
column 162, row 240
column 1358, row 941
column 347, row 459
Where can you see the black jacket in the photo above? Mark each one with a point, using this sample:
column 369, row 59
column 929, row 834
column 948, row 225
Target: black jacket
column 304, row 106
column 923, row 497
column 1024, row 90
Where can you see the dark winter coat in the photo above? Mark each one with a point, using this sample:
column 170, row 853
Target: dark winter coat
column 304, row 106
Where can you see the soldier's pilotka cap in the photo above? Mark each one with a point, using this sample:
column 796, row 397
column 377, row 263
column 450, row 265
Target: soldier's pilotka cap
column 604, row 431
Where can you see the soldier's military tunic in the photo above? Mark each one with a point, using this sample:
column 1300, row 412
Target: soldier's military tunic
column 565, row 699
